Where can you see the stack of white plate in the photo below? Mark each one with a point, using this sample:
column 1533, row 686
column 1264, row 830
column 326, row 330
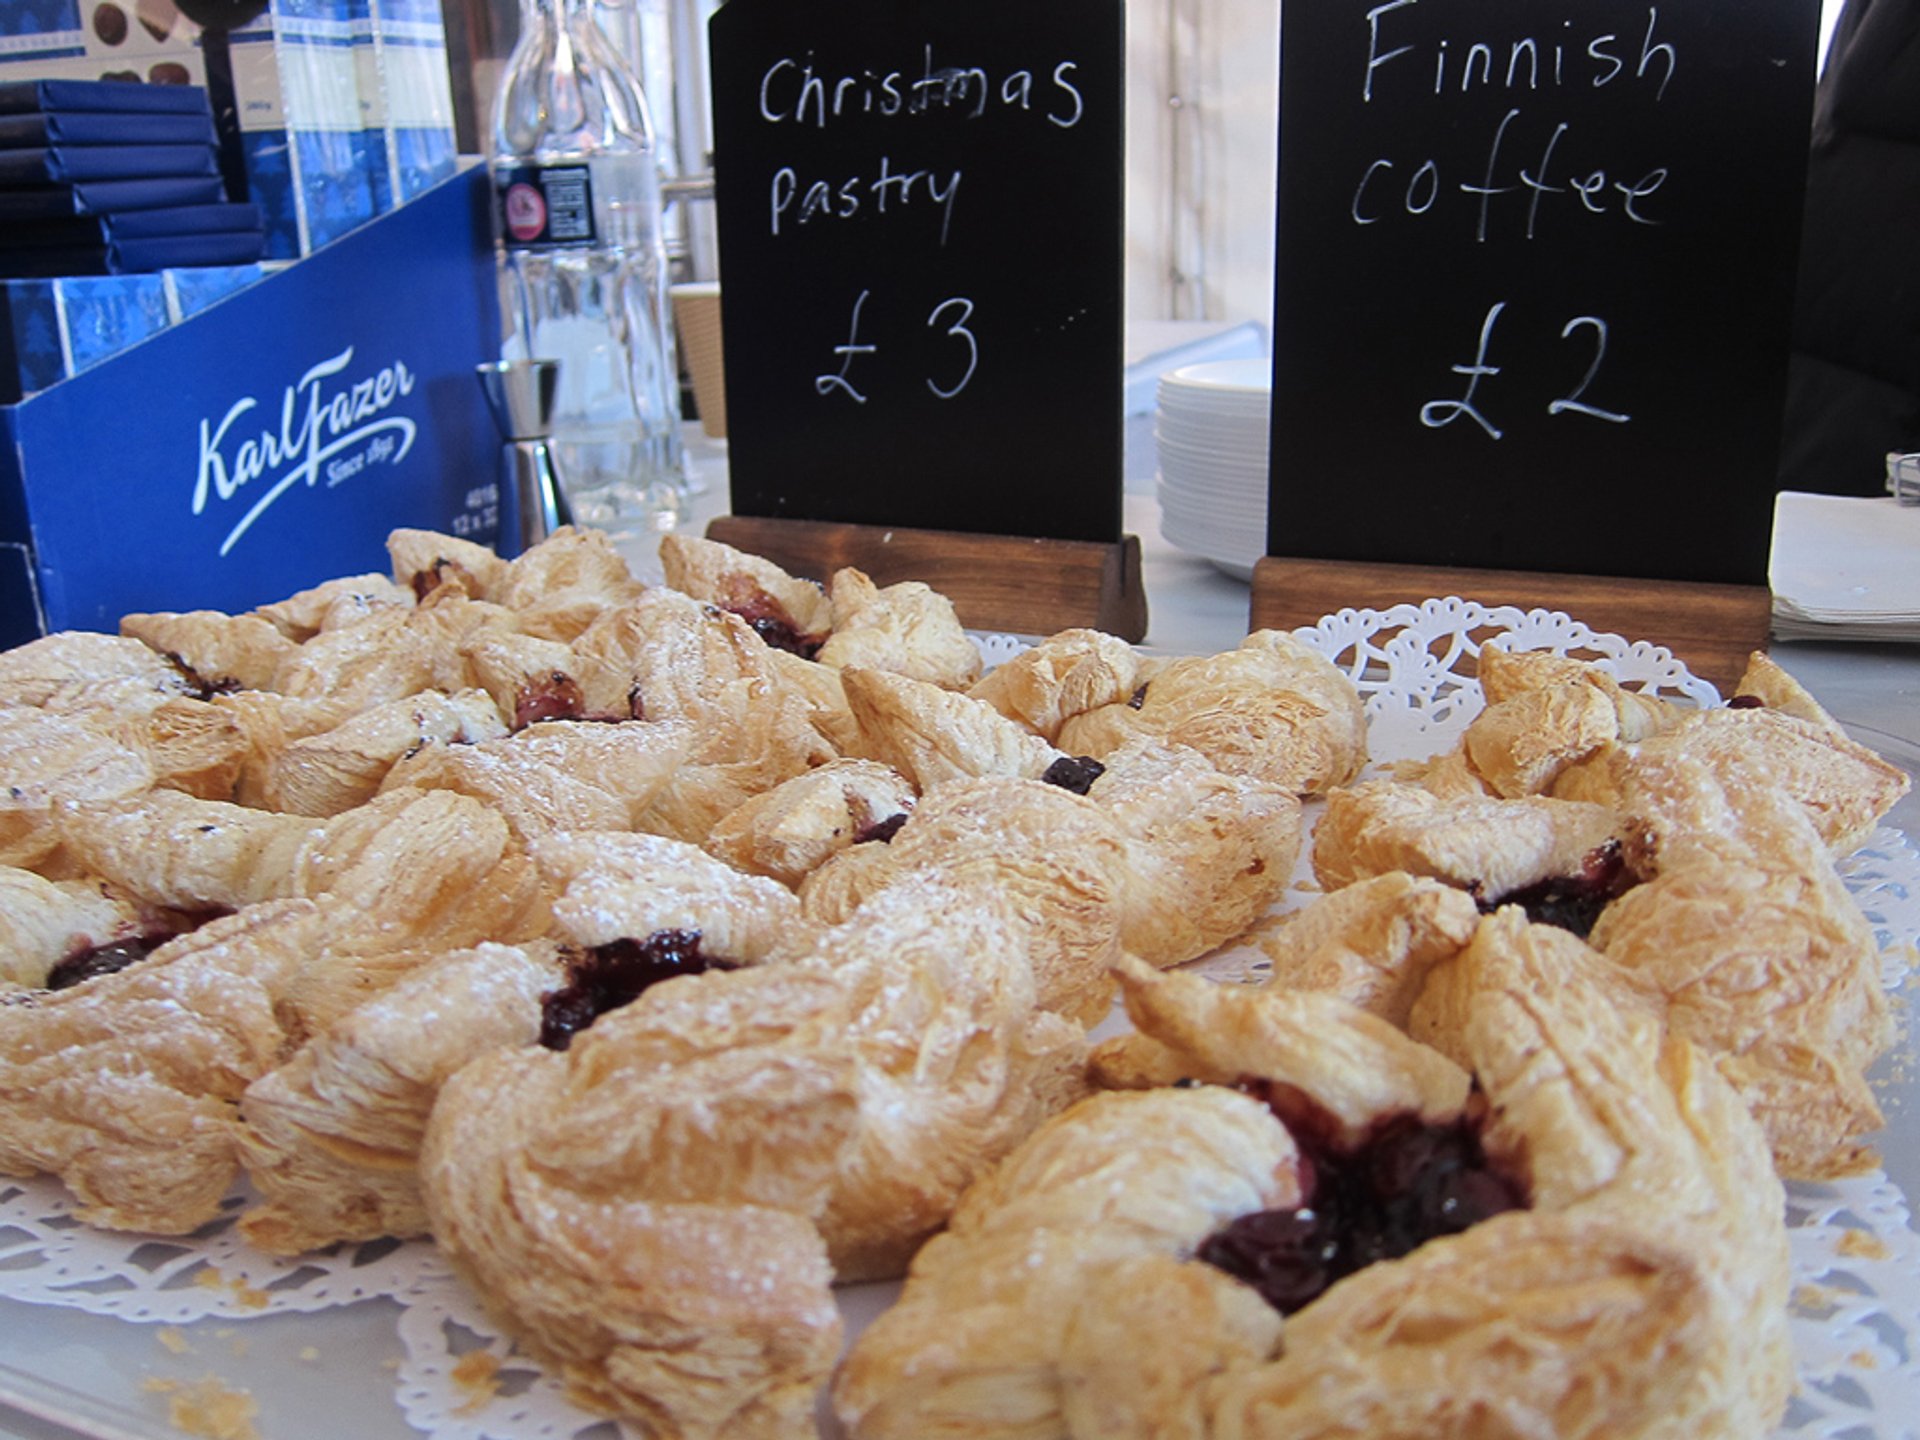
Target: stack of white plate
column 1211, row 436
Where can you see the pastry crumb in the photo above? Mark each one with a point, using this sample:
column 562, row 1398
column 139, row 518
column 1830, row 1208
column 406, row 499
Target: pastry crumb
column 478, row 1374
column 1812, row 1298
column 1862, row 1244
column 172, row 1339
column 208, row 1409
column 309, row 1353
column 249, row 1296
column 1863, row 1360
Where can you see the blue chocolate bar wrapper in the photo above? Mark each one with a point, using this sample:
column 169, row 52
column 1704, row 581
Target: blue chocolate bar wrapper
column 104, row 162
column 84, row 231
column 105, row 127
column 133, row 257
column 19, row 96
column 108, row 197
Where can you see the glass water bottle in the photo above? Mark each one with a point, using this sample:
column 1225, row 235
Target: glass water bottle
column 583, row 265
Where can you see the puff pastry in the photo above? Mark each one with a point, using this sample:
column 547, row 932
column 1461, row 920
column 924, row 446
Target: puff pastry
column 49, row 762
column 792, row 614
column 659, row 1211
column 181, row 1035
column 31, row 674
column 933, row 736
column 1507, row 674
column 618, row 886
column 331, row 1139
column 560, row 775
column 562, row 585
column 1719, row 772
column 424, row 560
column 44, row 923
column 220, row 652
column 335, row 605
column 452, row 808
column 325, row 774
column 1273, row 708
column 1056, row 858
column 1371, row 943
column 423, row 868
column 906, row 628
column 1492, row 846
column 1643, row 1293
column 1064, row 675
column 791, row 830
column 1776, row 974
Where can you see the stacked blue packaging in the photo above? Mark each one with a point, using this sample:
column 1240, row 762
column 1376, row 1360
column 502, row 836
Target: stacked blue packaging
column 105, row 188
column 104, row 178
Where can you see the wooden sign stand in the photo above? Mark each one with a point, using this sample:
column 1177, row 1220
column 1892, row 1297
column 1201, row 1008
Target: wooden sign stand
column 1011, row 583
column 1712, row 628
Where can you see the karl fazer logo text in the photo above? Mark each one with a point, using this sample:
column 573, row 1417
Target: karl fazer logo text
column 329, row 430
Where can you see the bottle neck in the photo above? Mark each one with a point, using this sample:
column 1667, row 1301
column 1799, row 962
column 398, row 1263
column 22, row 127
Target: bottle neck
column 567, row 88
column 560, row 14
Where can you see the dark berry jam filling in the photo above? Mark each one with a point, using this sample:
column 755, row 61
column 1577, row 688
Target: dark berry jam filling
column 615, row 974
column 781, row 635
column 769, row 619
column 102, row 960
column 426, row 581
column 1572, row 902
column 1139, row 698
column 1074, row 772
column 201, row 687
column 553, row 697
column 558, row 697
column 1746, row 702
column 1406, row 1183
column 881, row 830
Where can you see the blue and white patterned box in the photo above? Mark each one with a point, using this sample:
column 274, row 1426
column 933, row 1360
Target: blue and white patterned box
column 406, row 99
column 38, row 31
column 58, row 328
column 299, row 101
column 192, row 290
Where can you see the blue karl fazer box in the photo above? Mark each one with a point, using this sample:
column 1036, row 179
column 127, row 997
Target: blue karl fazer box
column 268, row 442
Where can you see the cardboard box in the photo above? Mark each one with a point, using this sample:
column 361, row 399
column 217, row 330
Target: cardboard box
column 269, row 441
column 406, row 96
column 297, row 90
column 51, row 330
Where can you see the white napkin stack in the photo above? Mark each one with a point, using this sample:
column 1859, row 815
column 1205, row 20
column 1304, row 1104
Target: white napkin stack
column 1845, row 568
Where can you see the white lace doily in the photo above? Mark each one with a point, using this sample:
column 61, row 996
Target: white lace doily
column 1856, row 1259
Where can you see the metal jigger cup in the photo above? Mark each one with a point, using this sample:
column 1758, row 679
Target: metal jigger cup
column 520, row 394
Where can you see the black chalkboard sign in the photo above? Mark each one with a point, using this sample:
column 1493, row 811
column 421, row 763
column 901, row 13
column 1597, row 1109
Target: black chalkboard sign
column 1533, row 278
column 920, row 257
